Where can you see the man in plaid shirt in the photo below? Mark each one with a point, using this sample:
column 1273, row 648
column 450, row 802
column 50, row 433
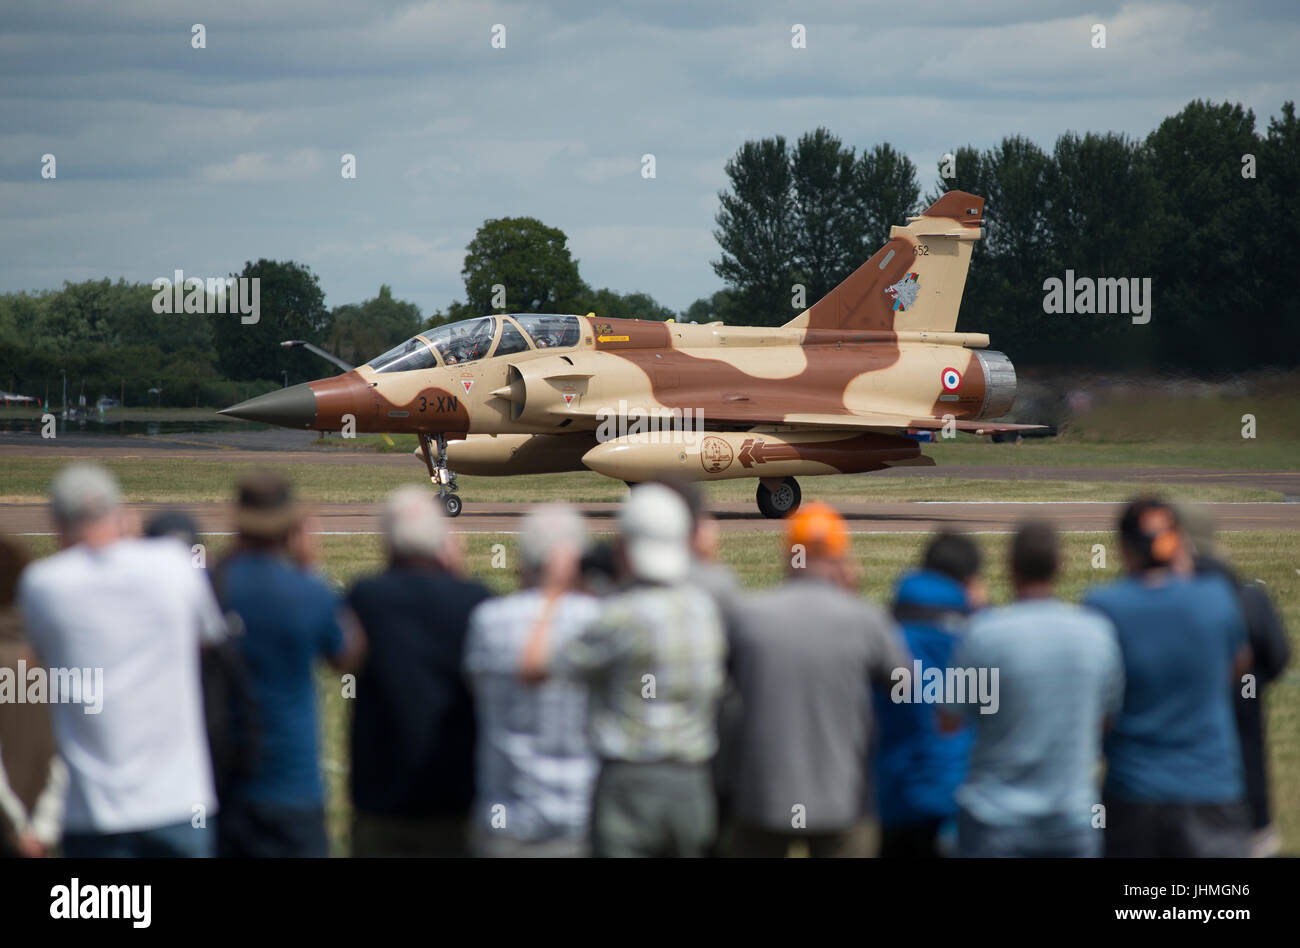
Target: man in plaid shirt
column 653, row 662
column 534, row 767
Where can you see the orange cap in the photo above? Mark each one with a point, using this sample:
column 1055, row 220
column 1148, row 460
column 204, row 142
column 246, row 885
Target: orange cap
column 819, row 529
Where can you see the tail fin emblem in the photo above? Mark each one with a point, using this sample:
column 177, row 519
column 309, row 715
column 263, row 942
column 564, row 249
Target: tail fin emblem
column 903, row 293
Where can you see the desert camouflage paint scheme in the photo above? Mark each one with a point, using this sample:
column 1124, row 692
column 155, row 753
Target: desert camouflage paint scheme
column 832, row 391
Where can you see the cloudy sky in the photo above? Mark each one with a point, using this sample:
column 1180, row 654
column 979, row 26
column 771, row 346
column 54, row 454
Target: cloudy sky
column 173, row 157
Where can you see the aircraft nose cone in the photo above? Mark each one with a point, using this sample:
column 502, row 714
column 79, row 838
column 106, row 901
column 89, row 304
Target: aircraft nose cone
column 292, row 407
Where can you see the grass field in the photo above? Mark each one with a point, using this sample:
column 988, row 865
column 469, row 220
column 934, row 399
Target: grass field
column 1272, row 557
column 26, row 479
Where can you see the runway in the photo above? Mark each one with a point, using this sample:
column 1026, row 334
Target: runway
column 275, row 448
column 892, row 517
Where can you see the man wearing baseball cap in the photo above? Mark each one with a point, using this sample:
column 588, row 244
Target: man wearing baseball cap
column 289, row 619
column 653, row 663
column 803, row 656
column 1174, row 783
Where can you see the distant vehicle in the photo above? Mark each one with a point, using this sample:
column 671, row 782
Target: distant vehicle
column 105, row 403
column 835, row 390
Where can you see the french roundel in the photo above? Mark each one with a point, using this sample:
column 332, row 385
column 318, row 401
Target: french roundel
column 951, row 379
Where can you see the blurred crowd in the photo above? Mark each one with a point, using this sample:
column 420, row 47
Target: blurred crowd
column 630, row 699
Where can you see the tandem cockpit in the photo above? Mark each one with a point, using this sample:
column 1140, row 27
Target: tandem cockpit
column 482, row 338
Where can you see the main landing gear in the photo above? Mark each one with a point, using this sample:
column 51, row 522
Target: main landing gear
column 778, row 497
column 442, row 476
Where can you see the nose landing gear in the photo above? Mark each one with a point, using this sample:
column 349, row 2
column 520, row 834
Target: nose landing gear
column 442, row 476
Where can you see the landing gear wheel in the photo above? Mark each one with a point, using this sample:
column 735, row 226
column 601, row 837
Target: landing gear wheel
column 442, row 476
column 779, row 503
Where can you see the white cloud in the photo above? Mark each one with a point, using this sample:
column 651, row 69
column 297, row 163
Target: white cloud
column 448, row 131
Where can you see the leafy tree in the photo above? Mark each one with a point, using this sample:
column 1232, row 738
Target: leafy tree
column 720, row 307
column 809, row 215
column 757, row 232
column 1102, row 219
column 887, row 194
column 292, row 306
column 1207, row 277
column 606, row 302
column 455, row 312
column 360, row 331
column 129, row 308
column 533, row 264
column 1278, row 170
column 529, row 259
column 1004, row 294
column 828, row 218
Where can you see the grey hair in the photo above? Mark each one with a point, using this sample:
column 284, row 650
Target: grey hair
column 413, row 523
column 548, row 528
column 83, row 493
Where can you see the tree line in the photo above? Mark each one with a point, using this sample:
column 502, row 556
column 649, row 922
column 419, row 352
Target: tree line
column 1206, row 206
column 108, row 339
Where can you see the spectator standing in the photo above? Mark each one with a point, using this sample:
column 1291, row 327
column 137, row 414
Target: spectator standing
column 413, row 727
column 228, row 709
column 1270, row 653
column 1174, row 782
column 33, row 780
column 139, row 773
column 918, row 764
column 1031, row 786
column 289, row 619
column 535, row 770
column 653, row 661
column 804, row 656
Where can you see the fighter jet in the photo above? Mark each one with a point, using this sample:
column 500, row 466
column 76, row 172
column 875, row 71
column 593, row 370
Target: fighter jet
column 835, row 390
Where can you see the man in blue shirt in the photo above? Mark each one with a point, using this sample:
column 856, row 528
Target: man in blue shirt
column 918, row 765
column 1174, row 783
column 1031, row 787
column 287, row 619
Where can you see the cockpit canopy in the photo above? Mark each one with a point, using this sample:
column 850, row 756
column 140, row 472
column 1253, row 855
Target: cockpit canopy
column 472, row 339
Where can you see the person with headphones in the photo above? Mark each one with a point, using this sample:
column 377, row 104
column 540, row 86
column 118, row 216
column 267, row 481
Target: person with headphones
column 1174, row 783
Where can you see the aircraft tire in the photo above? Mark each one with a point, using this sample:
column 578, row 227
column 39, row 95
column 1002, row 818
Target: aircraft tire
column 453, row 505
column 781, row 503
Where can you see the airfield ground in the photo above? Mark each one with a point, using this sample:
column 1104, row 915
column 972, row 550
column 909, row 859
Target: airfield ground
column 1184, row 448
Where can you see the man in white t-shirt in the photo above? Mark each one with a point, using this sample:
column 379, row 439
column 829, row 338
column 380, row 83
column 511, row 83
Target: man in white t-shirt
column 123, row 618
